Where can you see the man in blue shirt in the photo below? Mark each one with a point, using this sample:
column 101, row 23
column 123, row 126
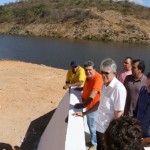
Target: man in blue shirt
column 142, row 111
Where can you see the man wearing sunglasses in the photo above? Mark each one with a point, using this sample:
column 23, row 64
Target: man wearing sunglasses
column 75, row 76
column 112, row 102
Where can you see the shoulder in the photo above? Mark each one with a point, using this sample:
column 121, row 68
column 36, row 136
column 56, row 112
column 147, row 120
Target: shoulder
column 129, row 76
column 120, row 72
column 80, row 69
column 69, row 71
column 98, row 76
column 119, row 86
column 143, row 88
column 144, row 77
column 128, row 79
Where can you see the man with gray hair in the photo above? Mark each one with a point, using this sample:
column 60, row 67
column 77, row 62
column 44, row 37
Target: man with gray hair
column 112, row 102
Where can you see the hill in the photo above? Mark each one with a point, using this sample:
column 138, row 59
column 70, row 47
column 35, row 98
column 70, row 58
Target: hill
column 78, row 19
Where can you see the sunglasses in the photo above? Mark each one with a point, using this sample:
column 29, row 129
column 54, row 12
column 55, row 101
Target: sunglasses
column 105, row 73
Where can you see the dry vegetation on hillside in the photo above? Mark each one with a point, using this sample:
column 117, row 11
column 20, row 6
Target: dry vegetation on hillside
column 80, row 19
column 62, row 10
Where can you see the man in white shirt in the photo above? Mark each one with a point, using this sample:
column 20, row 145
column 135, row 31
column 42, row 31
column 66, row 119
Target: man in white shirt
column 112, row 102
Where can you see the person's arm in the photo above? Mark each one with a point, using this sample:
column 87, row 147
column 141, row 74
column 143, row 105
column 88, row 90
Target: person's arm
column 65, row 87
column 140, row 99
column 75, row 84
column 90, row 98
column 118, row 114
column 136, row 109
column 119, row 102
column 78, row 89
column 94, row 108
column 146, row 141
column 81, row 114
column 68, row 85
column 88, row 101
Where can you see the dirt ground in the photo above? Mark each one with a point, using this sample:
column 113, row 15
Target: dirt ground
column 29, row 94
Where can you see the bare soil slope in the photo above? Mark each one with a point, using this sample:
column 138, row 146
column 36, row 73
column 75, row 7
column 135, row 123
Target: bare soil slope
column 28, row 95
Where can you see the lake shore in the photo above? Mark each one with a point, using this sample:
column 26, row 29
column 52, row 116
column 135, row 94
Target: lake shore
column 28, row 92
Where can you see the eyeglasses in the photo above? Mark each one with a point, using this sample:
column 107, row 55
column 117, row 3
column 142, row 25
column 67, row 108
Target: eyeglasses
column 105, row 73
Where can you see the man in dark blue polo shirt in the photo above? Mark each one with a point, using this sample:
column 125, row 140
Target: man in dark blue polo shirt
column 142, row 111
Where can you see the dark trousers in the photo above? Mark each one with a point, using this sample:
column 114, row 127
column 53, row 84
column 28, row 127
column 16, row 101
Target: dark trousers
column 100, row 140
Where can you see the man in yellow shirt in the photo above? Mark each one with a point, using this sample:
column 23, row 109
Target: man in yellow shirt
column 75, row 76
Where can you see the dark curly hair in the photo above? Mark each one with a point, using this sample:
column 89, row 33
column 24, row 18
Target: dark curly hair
column 123, row 133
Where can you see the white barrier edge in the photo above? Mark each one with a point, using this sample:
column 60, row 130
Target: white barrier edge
column 75, row 137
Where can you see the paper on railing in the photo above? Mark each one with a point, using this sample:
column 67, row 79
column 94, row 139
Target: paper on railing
column 147, row 148
column 75, row 137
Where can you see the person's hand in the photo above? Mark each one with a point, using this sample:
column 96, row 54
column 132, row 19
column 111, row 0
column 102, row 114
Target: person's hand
column 80, row 114
column 65, row 87
column 78, row 106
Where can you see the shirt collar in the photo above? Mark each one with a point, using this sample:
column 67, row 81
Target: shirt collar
column 112, row 83
column 140, row 79
column 92, row 77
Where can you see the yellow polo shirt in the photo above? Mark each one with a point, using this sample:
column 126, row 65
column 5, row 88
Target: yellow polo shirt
column 77, row 77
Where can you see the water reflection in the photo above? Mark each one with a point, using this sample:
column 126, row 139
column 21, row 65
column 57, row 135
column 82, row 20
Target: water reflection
column 59, row 52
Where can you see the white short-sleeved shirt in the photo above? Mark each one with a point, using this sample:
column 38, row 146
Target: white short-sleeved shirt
column 112, row 99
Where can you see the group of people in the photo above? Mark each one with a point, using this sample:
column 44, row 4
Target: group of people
column 117, row 105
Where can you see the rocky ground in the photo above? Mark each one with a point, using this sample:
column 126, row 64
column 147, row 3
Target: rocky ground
column 29, row 94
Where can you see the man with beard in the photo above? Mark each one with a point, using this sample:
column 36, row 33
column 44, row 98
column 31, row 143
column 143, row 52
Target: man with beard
column 133, row 84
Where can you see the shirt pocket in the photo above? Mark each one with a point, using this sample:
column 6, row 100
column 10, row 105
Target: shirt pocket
column 107, row 103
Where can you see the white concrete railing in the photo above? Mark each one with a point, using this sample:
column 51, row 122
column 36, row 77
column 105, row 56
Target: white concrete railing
column 60, row 135
column 75, row 137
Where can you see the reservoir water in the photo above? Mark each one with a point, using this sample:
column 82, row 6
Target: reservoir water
column 59, row 52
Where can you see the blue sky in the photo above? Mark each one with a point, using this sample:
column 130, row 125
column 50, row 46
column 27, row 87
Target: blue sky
column 2, row 2
column 142, row 2
column 147, row 3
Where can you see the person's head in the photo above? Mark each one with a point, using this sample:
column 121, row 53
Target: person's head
column 127, row 64
column 123, row 133
column 74, row 66
column 148, row 82
column 138, row 68
column 89, row 68
column 108, row 69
